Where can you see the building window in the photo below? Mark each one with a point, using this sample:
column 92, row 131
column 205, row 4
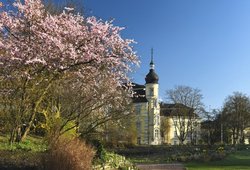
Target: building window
column 138, row 109
column 156, row 133
column 138, row 125
column 157, row 120
column 155, row 103
column 139, row 140
column 151, row 91
column 175, row 134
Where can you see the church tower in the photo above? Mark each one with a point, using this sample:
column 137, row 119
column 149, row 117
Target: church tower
column 152, row 89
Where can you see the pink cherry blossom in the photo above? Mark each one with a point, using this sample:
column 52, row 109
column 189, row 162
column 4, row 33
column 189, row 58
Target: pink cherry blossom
column 33, row 38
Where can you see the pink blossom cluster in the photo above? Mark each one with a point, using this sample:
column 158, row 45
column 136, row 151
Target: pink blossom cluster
column 33, row 38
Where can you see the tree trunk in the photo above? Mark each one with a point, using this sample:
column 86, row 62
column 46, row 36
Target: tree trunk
column 27, row 129
column 12, row 135
column 34, row 110
column 242, row 136
column 18, row 134
column 209, row 138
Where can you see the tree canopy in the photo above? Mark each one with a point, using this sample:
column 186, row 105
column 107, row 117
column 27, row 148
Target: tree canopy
column 44, row 56
column 236, row 115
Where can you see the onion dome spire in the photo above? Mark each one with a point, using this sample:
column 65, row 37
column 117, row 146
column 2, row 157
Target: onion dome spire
column 152, row 66
column 152, row 77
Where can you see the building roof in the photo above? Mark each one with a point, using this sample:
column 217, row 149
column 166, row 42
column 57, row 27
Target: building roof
column 152, row 77
column 177, row 109
column 139, row 93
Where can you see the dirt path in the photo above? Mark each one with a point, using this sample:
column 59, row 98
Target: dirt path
column 160, row 167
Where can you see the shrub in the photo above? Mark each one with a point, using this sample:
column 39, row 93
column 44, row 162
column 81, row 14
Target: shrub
column 183, row 158
column 206, row 158
column 196, row 156
column 114, row 161
column 69, row 155
column 40, row 130
column 220, row 149
column 217, row 156
column 101, row 153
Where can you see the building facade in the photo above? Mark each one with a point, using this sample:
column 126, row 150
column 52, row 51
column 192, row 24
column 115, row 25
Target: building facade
column 149, row 114
column 147, row 109
column 180, row 125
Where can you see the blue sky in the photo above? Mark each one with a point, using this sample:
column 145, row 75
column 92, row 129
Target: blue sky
column 204, row 44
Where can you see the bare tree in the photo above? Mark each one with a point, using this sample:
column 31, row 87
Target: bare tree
column 186, row 118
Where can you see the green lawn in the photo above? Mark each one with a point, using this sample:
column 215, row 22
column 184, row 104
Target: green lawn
column 33, row 144
column 239, row 160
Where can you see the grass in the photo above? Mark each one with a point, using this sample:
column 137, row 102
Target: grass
column 33, row 144
column 150, row 159
column 239, row 160
column 24, row 155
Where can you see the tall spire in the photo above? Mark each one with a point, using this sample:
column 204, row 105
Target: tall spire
column 152, row 66
column 152, row 77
